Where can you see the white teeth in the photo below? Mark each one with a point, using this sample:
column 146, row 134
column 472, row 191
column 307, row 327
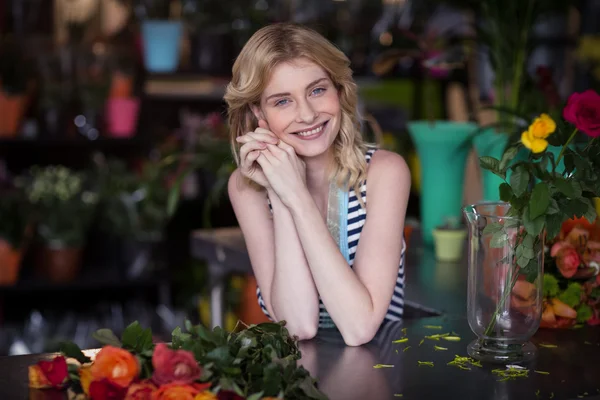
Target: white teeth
column 311, row 132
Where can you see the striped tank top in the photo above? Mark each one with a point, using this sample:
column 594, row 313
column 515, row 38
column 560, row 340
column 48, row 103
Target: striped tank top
column 356, row 218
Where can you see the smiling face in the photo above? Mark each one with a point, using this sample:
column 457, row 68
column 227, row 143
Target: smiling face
column 302, row 107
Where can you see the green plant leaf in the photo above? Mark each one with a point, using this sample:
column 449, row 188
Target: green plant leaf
column 255, row 396
column 499, row 239
column 490, row 163
column 553, row 224
column 106, row 337
column 533, row 226
column 131, row 334
column 539, row 201
column 519, row 180
column 590, row 213
column 553, row 207
column 531, row 271
column 70, row 349
column 507, row 157
column 569, row 161
column 492, row 228
column 565, row 187
column 506, row 192
column 575, row 208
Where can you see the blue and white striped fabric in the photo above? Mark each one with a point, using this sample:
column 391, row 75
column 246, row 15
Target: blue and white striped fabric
column 357, row 217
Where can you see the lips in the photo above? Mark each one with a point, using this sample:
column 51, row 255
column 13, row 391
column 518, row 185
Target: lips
column 312, row 131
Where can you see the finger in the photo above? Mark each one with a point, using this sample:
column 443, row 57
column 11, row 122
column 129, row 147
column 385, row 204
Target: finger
column 266, row 132
column 287, row 148
column 263, row 124
column 276, row 151
column 263, row 161
column 250, row 146
column 259, row 136
column 273, row 160
column 252, row 156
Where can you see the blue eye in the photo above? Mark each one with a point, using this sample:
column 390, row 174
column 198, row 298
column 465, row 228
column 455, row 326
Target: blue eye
column 318, row 90
column 280, row 102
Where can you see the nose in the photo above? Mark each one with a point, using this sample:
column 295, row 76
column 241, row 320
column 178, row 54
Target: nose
column 306, row 112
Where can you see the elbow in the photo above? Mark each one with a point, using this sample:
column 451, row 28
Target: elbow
column 303, row 331
column 359, row 335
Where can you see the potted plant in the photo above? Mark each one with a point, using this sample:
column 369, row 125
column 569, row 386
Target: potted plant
column 161, row 34
column 14, row 80
column 15, row 220
column 63, row 207
column 449, row 239
column 122, row 107
column 55, row 91
column 133, row 212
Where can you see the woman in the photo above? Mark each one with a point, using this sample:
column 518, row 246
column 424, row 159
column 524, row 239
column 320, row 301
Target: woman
column 318, row 260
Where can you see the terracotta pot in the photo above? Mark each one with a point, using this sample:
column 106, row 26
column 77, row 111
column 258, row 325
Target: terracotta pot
column 10, row 263
column 250, row 311
column 59, row 264
column 13, row 109
column 121, row 86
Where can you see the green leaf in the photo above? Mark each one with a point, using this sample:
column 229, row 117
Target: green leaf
column 507, row 157
column 564, row 187
column 499, row 239
column 178, row 338
column 492, row 228
column 519, row 180
column 575, row 208
column 550, row 286
column 506, row 192
column 70, row 349
column 528, row 242
column 533, row 226
column 309, row 389
column 553, row 207
column 490, row 163
column 255, row 396
column 569, row 162
column 106, row 337
column 130, row 335
column 553, row 224
column 531, row 271
column 590, row 213
column 539, row 201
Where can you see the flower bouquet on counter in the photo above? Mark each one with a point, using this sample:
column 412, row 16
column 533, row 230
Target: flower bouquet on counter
column 257, row 362
column 572, row 276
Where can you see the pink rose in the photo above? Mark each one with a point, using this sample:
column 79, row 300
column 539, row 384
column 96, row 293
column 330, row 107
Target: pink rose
column 174, row 366
column 567, row 258
column 583, row 111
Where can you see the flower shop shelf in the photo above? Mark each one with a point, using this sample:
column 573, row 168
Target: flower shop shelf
column 185, row 87
column 96, row 280
column 10, row 145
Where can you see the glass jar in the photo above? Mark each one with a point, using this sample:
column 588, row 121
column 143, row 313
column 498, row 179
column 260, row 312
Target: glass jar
column 504, row 304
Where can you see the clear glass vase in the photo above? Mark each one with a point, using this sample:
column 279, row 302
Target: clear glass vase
column 504, row 303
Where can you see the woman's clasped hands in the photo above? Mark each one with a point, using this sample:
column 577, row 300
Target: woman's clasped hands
column 272, row 163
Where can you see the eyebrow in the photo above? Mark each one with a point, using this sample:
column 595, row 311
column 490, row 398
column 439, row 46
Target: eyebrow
column 288, row 93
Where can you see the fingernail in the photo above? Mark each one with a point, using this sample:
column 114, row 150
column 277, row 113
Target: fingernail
column 238, row 138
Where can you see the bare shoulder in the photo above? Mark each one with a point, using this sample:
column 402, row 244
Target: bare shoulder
column 387, row 165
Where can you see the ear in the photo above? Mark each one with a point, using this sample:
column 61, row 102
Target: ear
column 258, row 114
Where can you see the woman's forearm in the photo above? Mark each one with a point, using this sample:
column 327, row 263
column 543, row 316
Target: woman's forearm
column 349, row 304
column 294, row 297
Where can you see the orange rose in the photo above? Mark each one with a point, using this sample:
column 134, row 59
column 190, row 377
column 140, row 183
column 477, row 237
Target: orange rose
column 46, row 374
column 119, row 366
column 85, row 377
column 206, row 395
column 141, row 391
column 567, row 258
column 175, row 391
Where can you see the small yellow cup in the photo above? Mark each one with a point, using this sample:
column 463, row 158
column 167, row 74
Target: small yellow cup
column 449, row 244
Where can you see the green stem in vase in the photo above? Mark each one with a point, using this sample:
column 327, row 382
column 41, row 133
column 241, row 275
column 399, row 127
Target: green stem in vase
column 511, row 280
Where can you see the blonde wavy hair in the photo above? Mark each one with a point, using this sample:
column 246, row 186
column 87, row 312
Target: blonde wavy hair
column 285, row 42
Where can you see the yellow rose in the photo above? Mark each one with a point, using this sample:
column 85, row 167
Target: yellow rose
column 534, row 138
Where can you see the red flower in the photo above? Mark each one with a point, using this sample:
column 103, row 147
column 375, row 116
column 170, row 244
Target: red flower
column 583, row 111
column 228, row 395
column 141, row 391
column 174, row 366
column 567, row 258
column 105, row 390
column 55, row 371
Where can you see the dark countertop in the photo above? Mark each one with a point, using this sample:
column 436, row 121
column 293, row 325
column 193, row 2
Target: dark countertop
column 347, row 372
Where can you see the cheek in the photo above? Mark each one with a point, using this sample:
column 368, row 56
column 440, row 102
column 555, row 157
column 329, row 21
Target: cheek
column 278, row 121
